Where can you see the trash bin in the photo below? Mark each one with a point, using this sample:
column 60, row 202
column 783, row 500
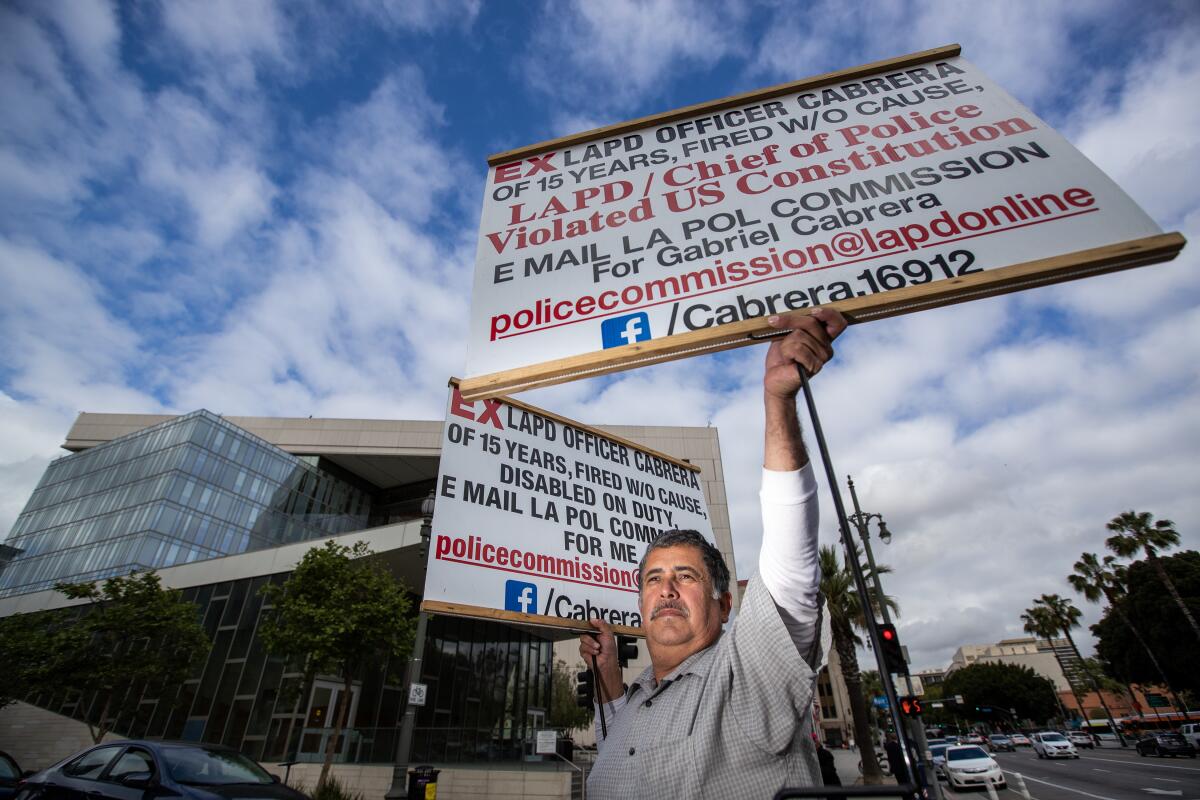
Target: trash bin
column 422, row 783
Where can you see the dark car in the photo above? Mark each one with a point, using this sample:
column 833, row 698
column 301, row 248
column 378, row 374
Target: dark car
column 127, row 770
column 1165, row 744
column 10, row 775
column 998, row 742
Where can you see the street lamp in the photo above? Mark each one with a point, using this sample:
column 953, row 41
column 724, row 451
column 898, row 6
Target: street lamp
column 399, row 789
column 862, row 521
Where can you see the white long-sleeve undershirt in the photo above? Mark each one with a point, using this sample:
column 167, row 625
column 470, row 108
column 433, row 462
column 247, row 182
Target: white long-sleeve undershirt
column 787, row 560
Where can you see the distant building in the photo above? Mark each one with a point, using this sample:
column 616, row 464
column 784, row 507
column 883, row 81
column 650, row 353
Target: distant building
column 1056, row 659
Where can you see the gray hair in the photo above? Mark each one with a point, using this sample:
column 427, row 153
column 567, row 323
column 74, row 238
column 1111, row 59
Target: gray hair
column 718, row 571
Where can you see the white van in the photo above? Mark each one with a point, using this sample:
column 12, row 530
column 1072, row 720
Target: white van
column 1191, row 732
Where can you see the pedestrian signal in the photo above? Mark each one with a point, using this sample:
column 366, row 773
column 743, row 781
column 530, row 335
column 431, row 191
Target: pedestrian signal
column 910, row 706
column 627, row 650
column 585, row 689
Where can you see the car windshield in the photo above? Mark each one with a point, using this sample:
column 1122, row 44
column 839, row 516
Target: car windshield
column 997, row 738
column 1053, row 737
column 199, row 766
column 965, row 753
column 1170, row 737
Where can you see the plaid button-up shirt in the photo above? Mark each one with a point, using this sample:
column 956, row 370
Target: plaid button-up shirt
column 734, row 720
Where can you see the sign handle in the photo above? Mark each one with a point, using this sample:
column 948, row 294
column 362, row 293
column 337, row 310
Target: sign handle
column 600, row 697
column 860, row 584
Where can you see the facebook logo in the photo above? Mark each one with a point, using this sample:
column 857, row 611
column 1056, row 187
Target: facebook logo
column 520, row 596
column 625, row 330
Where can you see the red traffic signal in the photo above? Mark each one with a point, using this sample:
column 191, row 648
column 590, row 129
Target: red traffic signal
column 910, row 706
column 893, row 655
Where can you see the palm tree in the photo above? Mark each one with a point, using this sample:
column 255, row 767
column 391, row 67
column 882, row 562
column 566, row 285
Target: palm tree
column 1041, row 624
column 1134, row 531
column 845, row 614
column 1094, row 579
column 1065, row 617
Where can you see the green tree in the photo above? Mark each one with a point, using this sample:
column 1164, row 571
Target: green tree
column 564, row 711
column 1004, row 687
column 25, row 643
column 340, row 613
column 1096, row 579
column 846, row 613
column 1136, row 531
column 1062, row 617
column 1160, row 622
column 135, row 633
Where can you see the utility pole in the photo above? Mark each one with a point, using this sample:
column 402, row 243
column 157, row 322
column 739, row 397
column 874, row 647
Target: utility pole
column 399, row 788
column 861, row 522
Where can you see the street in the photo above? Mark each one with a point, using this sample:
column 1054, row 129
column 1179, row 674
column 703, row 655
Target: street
column 1104, row 774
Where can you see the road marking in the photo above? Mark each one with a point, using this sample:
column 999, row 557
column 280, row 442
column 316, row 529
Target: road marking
column 1060, row 786
column 1168, row 780
column 1143, row 763
column 1097, row 769
column 1175, row 793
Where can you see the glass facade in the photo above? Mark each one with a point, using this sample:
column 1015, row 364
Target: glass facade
column 198, row 487
column 191, row 488
column 489, row 690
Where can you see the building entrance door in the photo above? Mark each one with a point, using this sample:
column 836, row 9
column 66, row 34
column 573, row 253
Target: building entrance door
column 321, row 720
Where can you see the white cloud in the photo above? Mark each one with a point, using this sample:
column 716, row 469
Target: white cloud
column 609, row 57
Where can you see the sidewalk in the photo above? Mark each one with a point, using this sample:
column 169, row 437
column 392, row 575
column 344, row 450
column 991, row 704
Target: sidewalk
column 846, row 762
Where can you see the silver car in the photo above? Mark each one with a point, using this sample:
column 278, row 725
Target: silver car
column 1053, row 745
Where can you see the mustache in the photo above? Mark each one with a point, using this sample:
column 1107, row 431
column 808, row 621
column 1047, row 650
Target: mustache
column 670, row 604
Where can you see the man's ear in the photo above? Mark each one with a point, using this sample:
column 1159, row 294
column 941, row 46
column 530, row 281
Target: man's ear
column 726, row 601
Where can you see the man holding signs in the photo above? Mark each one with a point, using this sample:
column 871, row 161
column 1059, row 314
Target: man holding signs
column 727, row 715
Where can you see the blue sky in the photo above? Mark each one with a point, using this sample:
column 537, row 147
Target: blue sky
column 270, row 208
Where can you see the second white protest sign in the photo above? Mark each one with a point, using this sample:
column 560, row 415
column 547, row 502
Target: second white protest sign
column 544, row 520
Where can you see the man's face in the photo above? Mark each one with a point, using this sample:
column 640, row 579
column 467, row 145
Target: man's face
column 678, row 609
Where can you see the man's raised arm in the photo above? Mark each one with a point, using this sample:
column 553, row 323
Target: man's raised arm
column 788, row 560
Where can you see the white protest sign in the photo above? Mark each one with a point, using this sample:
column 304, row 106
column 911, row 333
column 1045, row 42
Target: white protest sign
column 915, row 179
column 542, row 519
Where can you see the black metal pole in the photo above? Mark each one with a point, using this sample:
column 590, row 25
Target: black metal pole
column 860, row 583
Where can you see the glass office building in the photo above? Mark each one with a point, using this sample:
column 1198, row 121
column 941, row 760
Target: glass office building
column 193, row 488
column 489, row 691
column 223, row 506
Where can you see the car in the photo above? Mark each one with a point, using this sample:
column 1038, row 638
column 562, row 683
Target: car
column 1020, row 740
column 937, row 754
column 1052, row 744
column 970, row 765
column 131, row 770
column 1081, row 739
column 10, row 775
column 998, row 742
column 973, row 738
column 1191, row 732
column 1165, row 744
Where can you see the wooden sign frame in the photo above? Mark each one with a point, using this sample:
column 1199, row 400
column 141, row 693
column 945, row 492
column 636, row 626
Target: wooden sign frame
column 994, row 282
column 989, row 283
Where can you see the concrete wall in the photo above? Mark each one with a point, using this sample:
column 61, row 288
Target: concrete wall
column 37, row 738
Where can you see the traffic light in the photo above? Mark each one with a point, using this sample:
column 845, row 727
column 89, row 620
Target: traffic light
column 893, row 655
column 910, row 706
column 585, row 689
column 627, row 650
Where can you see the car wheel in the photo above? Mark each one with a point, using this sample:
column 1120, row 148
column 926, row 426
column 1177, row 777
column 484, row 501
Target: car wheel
column 1141, row 752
